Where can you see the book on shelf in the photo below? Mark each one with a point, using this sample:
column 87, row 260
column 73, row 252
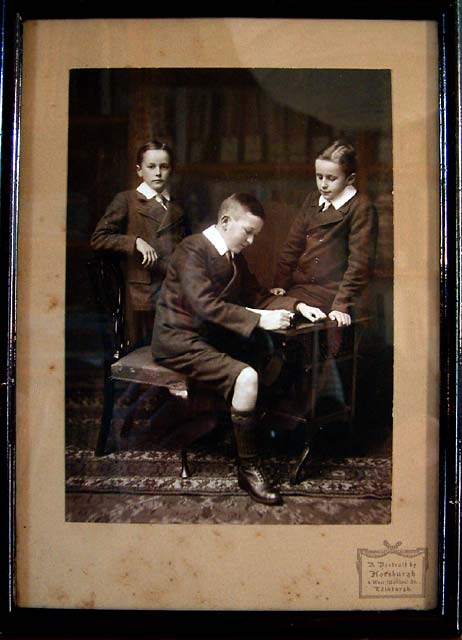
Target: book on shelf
column 297, row 136
column 181, row 134
column 198, row 122
column 230, row 122
column 161, row 113
column 252, row 127
column 275, row 115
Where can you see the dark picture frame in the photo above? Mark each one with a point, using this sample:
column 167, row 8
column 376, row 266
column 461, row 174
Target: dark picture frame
column 444, row 619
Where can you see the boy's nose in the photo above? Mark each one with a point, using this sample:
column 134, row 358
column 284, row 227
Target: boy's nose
column 250, row 240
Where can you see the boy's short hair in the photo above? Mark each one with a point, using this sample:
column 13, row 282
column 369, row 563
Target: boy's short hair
column 154, row 145
column 341, row 152
column 246, row 201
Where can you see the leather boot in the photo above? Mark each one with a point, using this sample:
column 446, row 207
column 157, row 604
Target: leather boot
column 251, row 478
column 250, row 475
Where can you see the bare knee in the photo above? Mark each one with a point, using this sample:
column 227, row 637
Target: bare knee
column 246, row 390
column 248, row 379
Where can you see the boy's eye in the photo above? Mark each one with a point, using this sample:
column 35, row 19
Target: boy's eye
column 330, row 178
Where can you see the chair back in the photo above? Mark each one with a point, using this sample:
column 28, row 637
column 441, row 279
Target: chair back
column 107, row 280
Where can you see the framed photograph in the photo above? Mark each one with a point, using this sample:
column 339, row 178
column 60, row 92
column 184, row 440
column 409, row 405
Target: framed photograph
column 124, row 504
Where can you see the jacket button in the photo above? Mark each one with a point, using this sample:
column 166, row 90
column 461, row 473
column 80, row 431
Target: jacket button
column 316, row 260
column 312, row 279
column 321, row 239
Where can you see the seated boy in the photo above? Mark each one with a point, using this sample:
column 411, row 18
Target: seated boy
column 208, row 325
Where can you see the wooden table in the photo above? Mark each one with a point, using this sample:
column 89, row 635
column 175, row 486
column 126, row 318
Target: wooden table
column 321, row 347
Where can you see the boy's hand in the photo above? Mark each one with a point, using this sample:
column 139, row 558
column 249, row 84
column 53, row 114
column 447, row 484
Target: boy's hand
column 312, row 313
column 278, row 291
column 343, row 319
column 149, row 254
column 274, row 320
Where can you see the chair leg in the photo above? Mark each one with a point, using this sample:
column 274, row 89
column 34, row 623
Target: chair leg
column 185, row 471
column 106, row 419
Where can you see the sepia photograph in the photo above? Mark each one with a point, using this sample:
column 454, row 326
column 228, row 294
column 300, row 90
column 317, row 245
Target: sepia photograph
column 152, row 428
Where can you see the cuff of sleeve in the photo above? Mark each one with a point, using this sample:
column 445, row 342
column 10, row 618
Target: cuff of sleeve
column 343, row 308
column 255, row 317
column 132, row 240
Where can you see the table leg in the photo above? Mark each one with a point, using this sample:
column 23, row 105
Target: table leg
column 294, row 473
column 311, row 355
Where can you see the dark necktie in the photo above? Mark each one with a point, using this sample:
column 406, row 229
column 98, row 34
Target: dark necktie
column 162, row 201
column 230, row 259
column 229, row 255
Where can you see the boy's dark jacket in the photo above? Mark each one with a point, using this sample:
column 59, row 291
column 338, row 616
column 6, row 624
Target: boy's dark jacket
column 128, row 216
column 199, row 298
column 328, row 257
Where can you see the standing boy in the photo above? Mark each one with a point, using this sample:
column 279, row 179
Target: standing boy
column 328, row 257
column 327, row 260
column 209, row 315
column 143, row 226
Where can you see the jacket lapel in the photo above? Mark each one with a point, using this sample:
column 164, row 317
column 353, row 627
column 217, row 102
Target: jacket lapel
column 169, row 217
column 164, row 218
column 329, row 216
column 150, row 208
column 221, row 269
column 232, row 271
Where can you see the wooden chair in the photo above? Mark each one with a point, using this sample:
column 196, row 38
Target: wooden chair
column 120, row 364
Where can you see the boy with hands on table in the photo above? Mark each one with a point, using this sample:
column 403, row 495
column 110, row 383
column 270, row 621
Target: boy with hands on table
column 211, row 324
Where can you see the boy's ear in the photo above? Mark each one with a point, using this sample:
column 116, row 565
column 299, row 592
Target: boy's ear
column 351, row 178
column 224, row 219
column 138, row 171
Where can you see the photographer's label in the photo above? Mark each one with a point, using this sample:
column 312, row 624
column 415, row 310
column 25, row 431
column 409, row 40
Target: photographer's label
column 392, row 572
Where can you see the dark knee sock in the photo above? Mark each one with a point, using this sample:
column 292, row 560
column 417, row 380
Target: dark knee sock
column 245, row 432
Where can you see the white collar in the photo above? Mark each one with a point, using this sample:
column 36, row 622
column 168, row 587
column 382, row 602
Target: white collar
column 148, row 192
column 341, row 199
column 214, row 236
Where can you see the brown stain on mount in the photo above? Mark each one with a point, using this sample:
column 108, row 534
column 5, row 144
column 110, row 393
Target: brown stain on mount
column 52, row 303
column 58, row 596
column 90, row 602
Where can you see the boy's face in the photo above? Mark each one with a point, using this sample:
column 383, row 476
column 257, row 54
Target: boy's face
column 155, row 169
column 331, row 179
column 239, row 228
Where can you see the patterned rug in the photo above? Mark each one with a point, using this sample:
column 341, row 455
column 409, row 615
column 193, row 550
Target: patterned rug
column 140, row 481
column 158, row 473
